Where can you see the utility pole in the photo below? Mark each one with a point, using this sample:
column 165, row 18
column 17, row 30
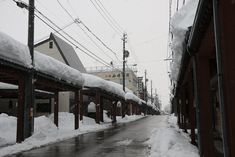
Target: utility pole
column 151, row 91
column 125, row 54
column 29, row 80
column 145, row 84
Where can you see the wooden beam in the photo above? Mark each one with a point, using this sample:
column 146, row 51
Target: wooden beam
column 77, row 108
column 114, row 112
column 102, row 109
column 205, row 108
column 20, row 112
column 56, row 108
column 97, row 102
column 81, row 105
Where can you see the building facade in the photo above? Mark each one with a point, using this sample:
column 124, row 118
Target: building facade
column 115, row 75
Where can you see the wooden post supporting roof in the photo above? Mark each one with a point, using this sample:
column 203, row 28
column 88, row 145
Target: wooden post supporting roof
column 97, row 102
column 56, row 108
column 191, row 108
column 77, row 108
column 114, row 111
column 205, row 112
column 81, row 105
column 20, row 112
column 102, row 109
column 227, row 25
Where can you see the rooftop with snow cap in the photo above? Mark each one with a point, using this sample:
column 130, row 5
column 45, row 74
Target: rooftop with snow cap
column 92, row 81
column 180, row 23
column 133, row 97
column 17, row 53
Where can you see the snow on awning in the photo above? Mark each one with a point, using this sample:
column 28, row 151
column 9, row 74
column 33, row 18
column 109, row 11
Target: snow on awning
column 59, row 70
column 131, row 96
column 179, row 25
column 13, row 51
column 93, row 81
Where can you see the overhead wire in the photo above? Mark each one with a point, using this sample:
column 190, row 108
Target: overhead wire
column 83, row 49
column 118, row 32
column 78, row 21
column 62, row 28
column 89, row 30
column 108, row 15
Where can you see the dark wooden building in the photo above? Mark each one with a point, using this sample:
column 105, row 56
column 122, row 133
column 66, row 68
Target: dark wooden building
column 205, row 91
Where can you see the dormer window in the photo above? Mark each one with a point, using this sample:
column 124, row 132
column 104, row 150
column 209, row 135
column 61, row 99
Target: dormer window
column 51, row 44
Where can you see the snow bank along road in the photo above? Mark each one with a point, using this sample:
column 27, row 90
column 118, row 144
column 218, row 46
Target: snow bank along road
column 126, row 140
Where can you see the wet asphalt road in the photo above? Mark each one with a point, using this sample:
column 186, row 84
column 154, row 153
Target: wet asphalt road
column 126, row 140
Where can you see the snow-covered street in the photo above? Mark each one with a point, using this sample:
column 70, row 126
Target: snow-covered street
column 167, row 140
column 153, row 136
column 46, row 132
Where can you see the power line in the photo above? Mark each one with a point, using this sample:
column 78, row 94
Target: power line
column 78, row 21
column 111, row 17
column 24, row 5
column 118, row 32
column 95, row 58
column 63, row 28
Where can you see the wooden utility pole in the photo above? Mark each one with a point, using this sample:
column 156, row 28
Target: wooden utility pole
column 151, row 91
column 29, row 81
column 145, row 86
column 124, row 56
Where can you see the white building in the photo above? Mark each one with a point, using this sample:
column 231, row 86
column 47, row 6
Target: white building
column 64, row 52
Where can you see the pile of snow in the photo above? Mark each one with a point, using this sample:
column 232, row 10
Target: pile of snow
column 92, row 81
column 7, row 129
column 92, row 107
column 46, row 132
column 167, row 140
column 13, row 51
column 179, row 25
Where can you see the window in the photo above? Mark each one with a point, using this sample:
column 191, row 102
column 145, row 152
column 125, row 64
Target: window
column 118, row 75
column 127, row 75
column 114, row 75
column 51, row 44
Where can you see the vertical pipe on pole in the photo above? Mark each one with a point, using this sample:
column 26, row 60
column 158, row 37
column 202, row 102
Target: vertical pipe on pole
column 220, row 74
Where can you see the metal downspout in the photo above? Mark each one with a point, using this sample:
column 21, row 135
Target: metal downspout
column 220, row 74
column 196, row 103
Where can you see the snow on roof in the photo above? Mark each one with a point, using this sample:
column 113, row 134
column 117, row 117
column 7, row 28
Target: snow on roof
column 179, row 25
column 53, row 67
column 97, row 82
column 13, row 51
column 131, row 96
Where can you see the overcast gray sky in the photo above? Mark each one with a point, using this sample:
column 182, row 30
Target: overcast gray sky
column 145, row 22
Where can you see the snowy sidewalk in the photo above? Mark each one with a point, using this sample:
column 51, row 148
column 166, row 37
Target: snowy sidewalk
column 46, row 132
column 169, row 141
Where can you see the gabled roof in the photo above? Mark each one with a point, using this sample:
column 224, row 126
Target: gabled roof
column 67, row 52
